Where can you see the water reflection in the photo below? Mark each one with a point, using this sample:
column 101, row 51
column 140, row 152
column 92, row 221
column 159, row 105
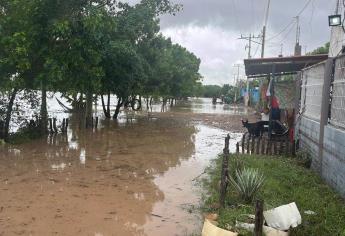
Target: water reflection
column 91, row 181
column 129, row 177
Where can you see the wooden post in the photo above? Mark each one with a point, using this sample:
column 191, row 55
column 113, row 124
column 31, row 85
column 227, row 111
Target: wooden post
column 263, row 146
column 293, row 151
column 253, row 145
column 259, row 218
column 237, row 148
column 243, row 140
column 225, row 173
column 257, row 151
column 281, row 147
column 67, row 121
column 275, row 148
column 268, row 147
column 287, row 147
column 248, row 143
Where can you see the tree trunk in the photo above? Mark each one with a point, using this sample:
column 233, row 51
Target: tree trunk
column 105, row 110
column 43, row 112
column 147, row 103
column 88, row 112
column 140, row 100
column 108, row 104
column 118, row 107
column 9, row 114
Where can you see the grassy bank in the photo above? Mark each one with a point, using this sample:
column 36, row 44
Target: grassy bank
column 285, row 181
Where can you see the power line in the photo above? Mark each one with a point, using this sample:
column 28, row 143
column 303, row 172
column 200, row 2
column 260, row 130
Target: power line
column 283, row 30
column 250, row 41
column 305, row 7
column 235, row 13
column 292, row 21
column 285, row 35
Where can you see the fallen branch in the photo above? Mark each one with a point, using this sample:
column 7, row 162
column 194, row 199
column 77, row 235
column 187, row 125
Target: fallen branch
column 199, row 176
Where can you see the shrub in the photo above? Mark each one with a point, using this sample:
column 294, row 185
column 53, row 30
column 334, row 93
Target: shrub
column 247, row 182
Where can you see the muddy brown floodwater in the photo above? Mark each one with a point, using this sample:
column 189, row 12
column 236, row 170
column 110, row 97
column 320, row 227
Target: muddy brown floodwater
column 127, row 178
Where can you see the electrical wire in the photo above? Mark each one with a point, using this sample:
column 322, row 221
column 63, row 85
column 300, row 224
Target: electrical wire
column 285, row 35
column 236, row 14
column 292, row 21
column 282, row 31
column 256, row 50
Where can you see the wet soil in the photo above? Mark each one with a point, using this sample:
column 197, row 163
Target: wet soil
column 135, row 177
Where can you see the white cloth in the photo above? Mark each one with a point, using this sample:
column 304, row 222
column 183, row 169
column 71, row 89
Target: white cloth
column 265, row 117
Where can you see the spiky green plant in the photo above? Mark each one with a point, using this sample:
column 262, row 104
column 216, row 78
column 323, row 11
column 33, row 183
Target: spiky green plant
column 247, row 182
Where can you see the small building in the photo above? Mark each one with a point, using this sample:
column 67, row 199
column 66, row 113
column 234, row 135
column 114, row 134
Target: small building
column 319, row 108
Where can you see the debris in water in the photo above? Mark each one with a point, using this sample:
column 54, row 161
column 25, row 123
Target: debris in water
column 210, row 229
column 268, row 231
column 156, row 215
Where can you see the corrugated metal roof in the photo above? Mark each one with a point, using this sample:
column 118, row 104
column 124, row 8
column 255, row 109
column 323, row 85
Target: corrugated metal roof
column 261, row 67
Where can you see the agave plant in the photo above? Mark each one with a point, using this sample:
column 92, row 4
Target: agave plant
column 247, row 182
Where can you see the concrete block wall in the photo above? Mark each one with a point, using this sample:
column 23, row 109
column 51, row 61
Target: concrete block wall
column 333, row 160
column 309, row 132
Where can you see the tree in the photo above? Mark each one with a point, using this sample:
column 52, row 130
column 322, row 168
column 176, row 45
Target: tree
column 320, row 50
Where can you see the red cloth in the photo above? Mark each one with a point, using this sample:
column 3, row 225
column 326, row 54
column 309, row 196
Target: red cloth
column 275, row 102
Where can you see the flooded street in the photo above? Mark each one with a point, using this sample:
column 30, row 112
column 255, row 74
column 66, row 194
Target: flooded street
column 134, row 177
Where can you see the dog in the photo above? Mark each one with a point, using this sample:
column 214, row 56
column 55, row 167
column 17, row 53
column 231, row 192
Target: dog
column 256, row 129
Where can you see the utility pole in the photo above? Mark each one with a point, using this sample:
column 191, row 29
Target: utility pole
column 264, row 29
column 237, row 79
column 298, row 47
column 249, row 46
column 281, row 50
column 337, row 7
column 250, row 41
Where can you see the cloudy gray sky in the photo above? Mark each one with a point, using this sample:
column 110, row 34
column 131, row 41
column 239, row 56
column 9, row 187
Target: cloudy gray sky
column 211, row 28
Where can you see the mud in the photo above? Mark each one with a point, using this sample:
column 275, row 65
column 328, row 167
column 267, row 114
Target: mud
column 135, row 177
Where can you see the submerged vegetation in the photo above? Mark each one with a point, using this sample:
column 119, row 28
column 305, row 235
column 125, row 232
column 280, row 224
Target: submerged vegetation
column 89, row 49
column 286, row 181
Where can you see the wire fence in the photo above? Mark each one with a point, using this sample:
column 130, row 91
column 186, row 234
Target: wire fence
column 338, row 94
column 311, row 91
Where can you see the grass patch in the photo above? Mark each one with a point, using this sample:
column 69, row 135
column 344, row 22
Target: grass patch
column 285, row 181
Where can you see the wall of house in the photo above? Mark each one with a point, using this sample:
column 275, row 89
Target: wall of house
column 333, row 158
column 309, row 137
column 321, row 124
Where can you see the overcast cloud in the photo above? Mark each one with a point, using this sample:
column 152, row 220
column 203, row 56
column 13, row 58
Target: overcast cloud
column 210, row 28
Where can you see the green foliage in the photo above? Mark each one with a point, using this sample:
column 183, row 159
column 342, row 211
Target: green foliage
column 320, row 50
column 247, row 182
column 211, row 91
column 93, row 47
column 285, row 181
